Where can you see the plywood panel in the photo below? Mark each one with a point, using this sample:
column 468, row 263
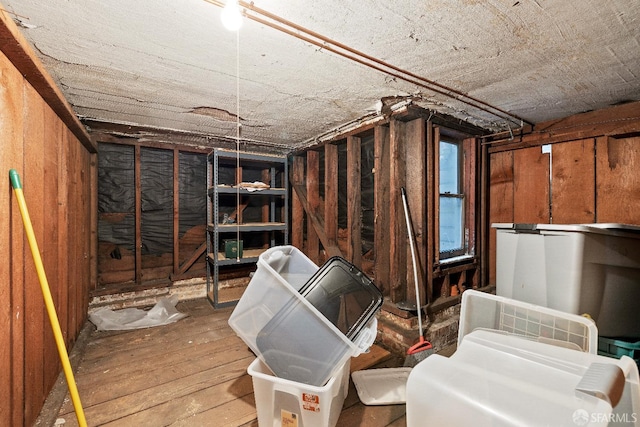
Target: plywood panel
column 34, row 191
column 501, row 196
column 63, row 231
column 573, row 182
column 52, row 257
column 33, row 140
column 618, row 180
column 12, row 311
column 531, row 184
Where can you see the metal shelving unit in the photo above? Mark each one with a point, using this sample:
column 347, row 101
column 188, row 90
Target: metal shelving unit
column 228, row 199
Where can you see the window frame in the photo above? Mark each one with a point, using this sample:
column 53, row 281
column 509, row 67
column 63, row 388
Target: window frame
column 459, row 194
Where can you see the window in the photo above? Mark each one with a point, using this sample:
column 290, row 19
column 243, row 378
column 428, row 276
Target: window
column 452, row 242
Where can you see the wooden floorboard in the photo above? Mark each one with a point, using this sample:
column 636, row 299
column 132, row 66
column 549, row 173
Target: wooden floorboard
column 191, row 373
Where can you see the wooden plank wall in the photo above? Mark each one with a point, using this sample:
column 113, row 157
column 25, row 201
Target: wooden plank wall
column 39, row 138
column 589, row 173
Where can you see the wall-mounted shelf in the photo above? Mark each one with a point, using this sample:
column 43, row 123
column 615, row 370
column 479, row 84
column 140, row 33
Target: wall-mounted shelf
column 247, row 200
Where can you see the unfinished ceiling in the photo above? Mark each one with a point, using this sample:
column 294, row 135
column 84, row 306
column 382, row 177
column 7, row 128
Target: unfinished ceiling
column 172, row 65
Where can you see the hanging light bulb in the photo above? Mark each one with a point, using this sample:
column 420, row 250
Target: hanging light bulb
column 231, row 17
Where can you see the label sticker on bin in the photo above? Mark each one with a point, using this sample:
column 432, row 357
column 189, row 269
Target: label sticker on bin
column 311, row 402
column 288, row 419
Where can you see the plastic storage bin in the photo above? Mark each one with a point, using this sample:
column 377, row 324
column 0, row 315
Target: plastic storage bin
column 285, row 403
column 487, row 311
column 285, row 330
column 584, row 268
column 618, row 348
column 344, row 295
column 500, row 380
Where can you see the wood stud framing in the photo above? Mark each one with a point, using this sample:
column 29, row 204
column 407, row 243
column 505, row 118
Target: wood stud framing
column 382, row 242
column 405, row 155
column 313, row 199
column 354, row 201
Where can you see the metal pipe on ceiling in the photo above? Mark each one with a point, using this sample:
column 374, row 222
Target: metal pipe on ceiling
column 352, row 54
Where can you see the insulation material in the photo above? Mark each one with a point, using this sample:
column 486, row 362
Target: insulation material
column 540, row 60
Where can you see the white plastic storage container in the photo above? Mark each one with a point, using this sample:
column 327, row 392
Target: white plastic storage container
column 589, row 269
column 284, row 403
column 499, row 380
column 480, row 310
column 285, row 330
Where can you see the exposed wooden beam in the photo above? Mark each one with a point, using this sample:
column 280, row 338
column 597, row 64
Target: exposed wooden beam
column 313, row 220
column 354, row 201
column 417, row 201
column 313, row 196
column 381, row 207
column 397, row 224
column 193, row 258
column 297, row 209
column 138, row 217
column 176, row 211
column 17, row 49
column 331, row 193
column 619, row 120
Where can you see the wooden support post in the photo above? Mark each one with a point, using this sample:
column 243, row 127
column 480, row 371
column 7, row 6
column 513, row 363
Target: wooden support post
column 381, row 207
column 297, row 211
column 431, row 210
column 483, row 233
column 313, row 199
column 416, row 191
column 397, row 225
column 93, row 265
column 138, row 238
column 176, row 211
column 331, row 193
column 354, row 201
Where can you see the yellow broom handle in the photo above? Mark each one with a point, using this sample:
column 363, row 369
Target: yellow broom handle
column 46, row 293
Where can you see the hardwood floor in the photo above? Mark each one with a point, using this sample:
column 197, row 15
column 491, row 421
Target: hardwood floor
column 190, row 373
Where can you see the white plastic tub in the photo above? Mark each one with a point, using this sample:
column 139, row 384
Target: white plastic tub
column 480, row 310
column 499, row 380
column 285, row 330
column 284, row 403
column 589, row 269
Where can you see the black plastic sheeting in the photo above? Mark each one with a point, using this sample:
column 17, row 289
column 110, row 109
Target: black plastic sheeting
column 116, row 196
column 366, row 188
column 193, row 187
column 156, row 181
